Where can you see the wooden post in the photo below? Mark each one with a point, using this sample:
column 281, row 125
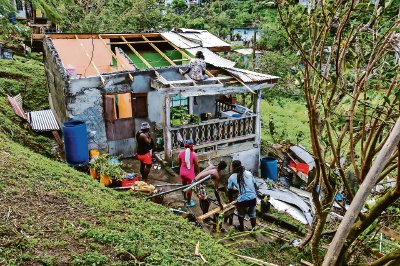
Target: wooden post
column 356, row 205
column 166, row 129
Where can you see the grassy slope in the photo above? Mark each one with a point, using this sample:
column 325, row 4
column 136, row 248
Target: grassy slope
column 290, row 118
column 55, row 214
column 52, row 214
column 25, row 76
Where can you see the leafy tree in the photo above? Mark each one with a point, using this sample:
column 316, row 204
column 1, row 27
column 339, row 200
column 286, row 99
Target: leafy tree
column 350, row 83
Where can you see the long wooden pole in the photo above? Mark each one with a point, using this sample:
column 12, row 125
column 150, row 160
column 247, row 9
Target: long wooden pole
column 370, row 180
column 197, row 183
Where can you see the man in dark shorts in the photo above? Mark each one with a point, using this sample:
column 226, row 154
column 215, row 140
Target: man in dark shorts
column 144, row 146
column 244, row 182
column 200, row 191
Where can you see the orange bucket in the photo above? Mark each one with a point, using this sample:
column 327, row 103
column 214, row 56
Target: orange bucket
column 94, row 153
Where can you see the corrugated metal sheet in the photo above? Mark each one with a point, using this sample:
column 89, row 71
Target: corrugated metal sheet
column 179, row 41
column 212, row 58
column 43, row 120
column 247, row 51
column 250, row 76
column 16, row 104
column 188, row 38
column 206, row 39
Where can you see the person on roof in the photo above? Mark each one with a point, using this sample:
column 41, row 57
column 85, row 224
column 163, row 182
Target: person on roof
column 188, row 169
column 197, row 67
column 144, row 146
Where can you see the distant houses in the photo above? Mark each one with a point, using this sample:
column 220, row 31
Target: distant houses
column 245, row 34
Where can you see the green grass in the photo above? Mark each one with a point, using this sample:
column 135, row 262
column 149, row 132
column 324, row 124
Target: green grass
column 286, row 118
column 25, row 76
column 51, row 207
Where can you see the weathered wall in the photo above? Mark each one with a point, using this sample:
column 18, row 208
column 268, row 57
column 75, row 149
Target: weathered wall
column 56, row 79
column 205, row 104
column 155, row 107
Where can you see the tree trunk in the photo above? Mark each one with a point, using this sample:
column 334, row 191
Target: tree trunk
column 335, row 248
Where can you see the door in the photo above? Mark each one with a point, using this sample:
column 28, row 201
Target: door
column 120, row 123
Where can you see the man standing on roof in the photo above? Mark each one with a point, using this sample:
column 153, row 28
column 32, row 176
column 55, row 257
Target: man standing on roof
column 200, row 190
column 144, row 146
column 197, row 67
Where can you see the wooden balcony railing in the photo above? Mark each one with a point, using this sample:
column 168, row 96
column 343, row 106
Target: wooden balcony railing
column 215, row 131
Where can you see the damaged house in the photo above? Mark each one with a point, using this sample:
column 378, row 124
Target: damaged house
column 114, row 82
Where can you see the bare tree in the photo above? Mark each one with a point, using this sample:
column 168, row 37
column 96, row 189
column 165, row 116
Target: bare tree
column 350, row 83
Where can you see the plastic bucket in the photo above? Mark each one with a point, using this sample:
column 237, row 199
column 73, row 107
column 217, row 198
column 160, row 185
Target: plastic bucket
column 75, row 142
column 269, row 168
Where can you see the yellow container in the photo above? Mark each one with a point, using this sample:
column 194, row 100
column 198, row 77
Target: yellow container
column 105, row 180
column 94, row 154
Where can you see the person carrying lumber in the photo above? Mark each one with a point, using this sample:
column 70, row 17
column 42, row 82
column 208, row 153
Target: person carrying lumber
column 244, row 182
column 197, row 67
column 200, row 190
column 188, row 169
column 144, row 146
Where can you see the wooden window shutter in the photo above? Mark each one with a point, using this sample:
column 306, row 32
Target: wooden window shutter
column 109, row 108
column 139, row 105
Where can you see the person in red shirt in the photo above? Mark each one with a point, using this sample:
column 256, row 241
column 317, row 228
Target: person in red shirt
column 188, row 169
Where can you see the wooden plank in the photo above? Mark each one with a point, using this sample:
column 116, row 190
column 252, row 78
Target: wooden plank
column 392, row 234
column 136, row 42
column 115, row 57
column 105, row 35
column 137, row 53
column 227, row 207
column 254, row 261
column 91, row 61
column 159, row 51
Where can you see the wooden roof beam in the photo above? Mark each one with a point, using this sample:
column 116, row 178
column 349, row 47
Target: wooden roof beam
column 115, row 57
column 168, row 59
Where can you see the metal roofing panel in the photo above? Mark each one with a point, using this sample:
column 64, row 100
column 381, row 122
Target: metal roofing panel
column 43, row 120
column 249, row 76
column 178, row 40
column 206, row 39
column 247, row 51
column 16, row 104
column 212, row 58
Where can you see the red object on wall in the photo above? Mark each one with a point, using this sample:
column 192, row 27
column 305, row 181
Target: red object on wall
column 300, row 167
column 129, row 182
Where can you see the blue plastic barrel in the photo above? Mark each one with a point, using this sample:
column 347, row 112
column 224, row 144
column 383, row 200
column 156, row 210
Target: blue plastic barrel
column 269, row 168
column 75, row 142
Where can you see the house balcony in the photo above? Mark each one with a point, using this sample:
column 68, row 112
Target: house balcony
column 216, row 135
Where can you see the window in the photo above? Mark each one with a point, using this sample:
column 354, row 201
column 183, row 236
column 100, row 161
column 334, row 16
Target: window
column 139, row 105
column 180, row 101
column 19, row 5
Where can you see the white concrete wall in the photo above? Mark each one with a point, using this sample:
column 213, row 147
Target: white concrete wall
column 250, row 159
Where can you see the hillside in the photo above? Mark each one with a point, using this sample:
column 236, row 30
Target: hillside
column 52, row 214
